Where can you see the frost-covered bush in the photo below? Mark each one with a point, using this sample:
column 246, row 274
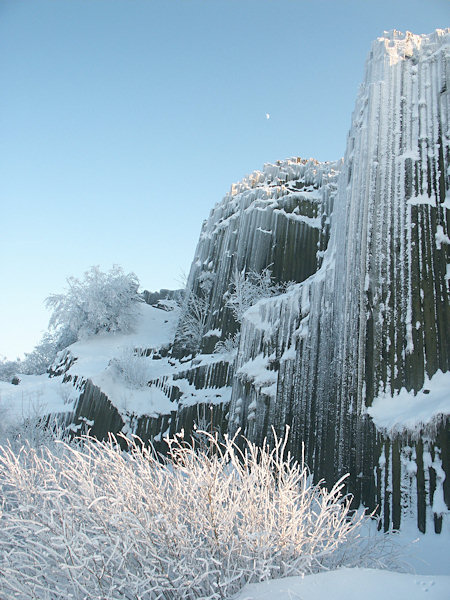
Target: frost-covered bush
column 92, row 521
column 27, row 424
column 33, row 431
column 248, row 288
column 229, row 345
column 132, row 366
column 44, row 353
column 98, row 302
column 194, row 310
column 40, row 358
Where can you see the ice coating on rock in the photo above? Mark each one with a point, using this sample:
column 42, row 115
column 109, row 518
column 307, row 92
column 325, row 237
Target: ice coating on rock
column 375, row 317
column 277, row 217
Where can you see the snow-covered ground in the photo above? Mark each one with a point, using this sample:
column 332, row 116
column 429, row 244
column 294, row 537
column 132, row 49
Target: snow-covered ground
column 351, row 584
column 39, row 394
column 426, row 557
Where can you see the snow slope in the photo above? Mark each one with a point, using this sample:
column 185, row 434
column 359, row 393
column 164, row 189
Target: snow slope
column 127, row 367
column 37, row 395
column 155, row 328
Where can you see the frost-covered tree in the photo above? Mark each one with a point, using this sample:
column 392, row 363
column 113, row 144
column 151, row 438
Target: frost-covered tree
column 34, row 363
column 40, row 358
column 37, row 361
column 9, row 369
column 44, row 353
column 98, row 302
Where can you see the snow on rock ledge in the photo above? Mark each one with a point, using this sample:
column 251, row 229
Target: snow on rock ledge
column 413, row 412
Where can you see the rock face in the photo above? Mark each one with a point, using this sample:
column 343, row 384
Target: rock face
column 365, row 242
column 372, row 312
column 375, row 317
column 277, row 218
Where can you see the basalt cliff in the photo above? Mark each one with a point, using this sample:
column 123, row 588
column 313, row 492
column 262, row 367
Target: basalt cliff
column 353, row 353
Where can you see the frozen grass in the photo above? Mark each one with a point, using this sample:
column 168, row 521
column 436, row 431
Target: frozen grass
column 93, row 521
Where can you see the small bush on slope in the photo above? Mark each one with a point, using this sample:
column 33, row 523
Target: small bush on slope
column 194, row 311
column 9, row 369
column 131, row 365
column 91, row 521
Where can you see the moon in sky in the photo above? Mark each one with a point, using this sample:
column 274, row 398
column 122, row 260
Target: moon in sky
column 267, row 116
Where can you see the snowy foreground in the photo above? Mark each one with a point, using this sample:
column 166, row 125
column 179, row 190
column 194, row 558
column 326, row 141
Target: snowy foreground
column 427, row 558
column 352, row 584
column 92, row 521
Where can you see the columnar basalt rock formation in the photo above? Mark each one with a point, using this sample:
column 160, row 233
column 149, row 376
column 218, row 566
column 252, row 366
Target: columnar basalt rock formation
column 375, row 317
column 350, row 356
column 277, row 218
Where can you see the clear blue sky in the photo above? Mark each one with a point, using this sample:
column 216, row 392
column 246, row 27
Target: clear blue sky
column 122, row 122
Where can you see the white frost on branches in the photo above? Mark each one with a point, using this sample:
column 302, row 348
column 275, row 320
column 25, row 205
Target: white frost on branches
column 248, row 288
column 229, row 345
column 98, row 302
column 132, row 366
column 193, row 321
column 38, row 360
column 91, row 521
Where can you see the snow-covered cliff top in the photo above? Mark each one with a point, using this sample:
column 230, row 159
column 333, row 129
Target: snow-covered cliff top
column 399, row 46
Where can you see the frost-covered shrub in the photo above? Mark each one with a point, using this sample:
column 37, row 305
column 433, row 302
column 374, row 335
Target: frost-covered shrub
column 132, row 365
column 194, row 310
column 229, row 345
column 27, row 424
column 248, row 288
column 92, row 521
column 33, row 431
column 44, row 353
column 98, row 302
column 40, row 358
